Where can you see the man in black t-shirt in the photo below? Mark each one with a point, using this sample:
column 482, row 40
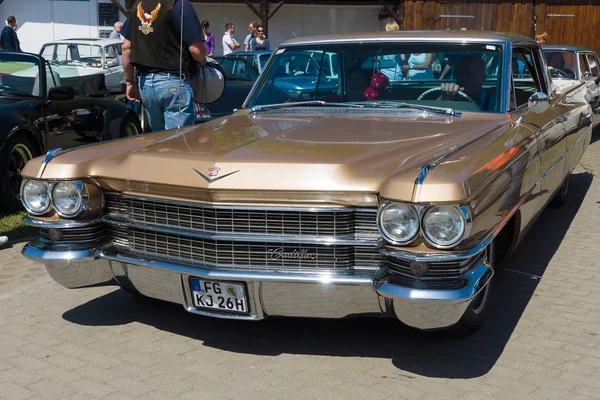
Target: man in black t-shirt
column 152, row 44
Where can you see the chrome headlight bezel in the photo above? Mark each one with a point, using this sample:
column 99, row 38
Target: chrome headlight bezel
column 465, row 216
column 83, row 199
column 390, row 238
column 421, row 211
column 25, row 203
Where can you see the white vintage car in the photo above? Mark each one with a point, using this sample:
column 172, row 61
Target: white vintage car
column 81, row 57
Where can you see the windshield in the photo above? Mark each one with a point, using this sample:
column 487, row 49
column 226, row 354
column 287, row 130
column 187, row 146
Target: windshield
column 402, row 72
column 73, row 54
column 19, row 75
column 561, row 63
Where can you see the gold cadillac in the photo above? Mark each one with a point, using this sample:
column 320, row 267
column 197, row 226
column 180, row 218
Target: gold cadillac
column 353, row 181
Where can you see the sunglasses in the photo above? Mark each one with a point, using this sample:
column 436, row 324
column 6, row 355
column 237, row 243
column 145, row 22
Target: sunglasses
column 260, row 31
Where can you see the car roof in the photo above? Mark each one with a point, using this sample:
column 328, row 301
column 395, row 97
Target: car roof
column 249, row 52
column 96, row 41
column 566, row 47
column 412, row 36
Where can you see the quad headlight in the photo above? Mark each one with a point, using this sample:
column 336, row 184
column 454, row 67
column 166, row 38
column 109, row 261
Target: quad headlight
column 35, row 197
column 398, row 222
column 443, row 226
column 68, row 199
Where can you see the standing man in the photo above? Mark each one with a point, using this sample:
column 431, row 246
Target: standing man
column 8, row 38
column 229, row 42
column 116, row 33
column 252, row 26
column 152, row 36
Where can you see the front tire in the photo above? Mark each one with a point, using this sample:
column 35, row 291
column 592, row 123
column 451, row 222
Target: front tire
column 17, row 151
column 561, row 197
column 475, row 313
column 130, row 126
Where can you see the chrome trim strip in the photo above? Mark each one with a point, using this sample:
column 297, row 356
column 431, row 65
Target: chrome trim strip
column 52, row 153
column 241, row 207
column 40, row 250
column 118, row 255
column 475, row 281
column 42, row 224
column 279, row 238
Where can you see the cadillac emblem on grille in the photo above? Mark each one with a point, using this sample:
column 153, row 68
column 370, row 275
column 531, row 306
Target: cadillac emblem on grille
column 280, row 254
column 213, row 171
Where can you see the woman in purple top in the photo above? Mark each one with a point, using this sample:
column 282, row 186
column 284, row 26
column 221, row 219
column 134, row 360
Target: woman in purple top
column 209, row 38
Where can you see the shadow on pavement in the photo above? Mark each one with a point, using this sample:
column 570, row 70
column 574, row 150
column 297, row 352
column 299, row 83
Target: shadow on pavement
column 431, row 354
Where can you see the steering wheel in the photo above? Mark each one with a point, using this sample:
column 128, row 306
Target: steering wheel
column 559, row 73
column 7, row 88
column 437, row 89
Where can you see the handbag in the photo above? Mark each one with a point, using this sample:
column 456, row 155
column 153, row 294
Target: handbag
column 208, row 82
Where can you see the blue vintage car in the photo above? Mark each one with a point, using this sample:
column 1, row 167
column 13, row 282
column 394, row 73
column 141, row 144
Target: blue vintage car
column 258, row 58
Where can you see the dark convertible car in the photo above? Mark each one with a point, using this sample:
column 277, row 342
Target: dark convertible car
column 38, row 113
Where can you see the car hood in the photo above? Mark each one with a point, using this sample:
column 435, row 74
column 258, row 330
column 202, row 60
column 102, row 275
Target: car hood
column 270, row 151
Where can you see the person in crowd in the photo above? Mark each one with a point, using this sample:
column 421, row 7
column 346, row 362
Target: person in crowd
column 542, row 38
column 418, row 66
column 229, row 42
column 154, row 77
column 116, row 33
column 392, row 26
column 8, row 38
column 3, row 240
column 395, row 72
column 260, row 42
column 252, row 27
column 209, row 38
column 470, row 77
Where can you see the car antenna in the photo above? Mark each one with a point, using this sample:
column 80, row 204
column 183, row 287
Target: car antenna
column 294, row 34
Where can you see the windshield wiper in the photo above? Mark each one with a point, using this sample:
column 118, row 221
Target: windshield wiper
column 17, row 94
column 392, row 104
column 305, row 103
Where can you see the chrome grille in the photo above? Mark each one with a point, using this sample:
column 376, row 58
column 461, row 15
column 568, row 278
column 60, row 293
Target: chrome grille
column 223, row 254
column 443, row 271
column 87, row 235
column 237, row 220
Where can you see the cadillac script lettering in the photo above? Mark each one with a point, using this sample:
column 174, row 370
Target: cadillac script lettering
column 280, row 254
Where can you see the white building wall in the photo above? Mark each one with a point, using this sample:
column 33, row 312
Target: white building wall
column 41, row 21
column 291, row 20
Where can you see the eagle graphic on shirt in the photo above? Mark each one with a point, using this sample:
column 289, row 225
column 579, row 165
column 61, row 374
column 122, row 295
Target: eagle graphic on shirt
column 147, row 19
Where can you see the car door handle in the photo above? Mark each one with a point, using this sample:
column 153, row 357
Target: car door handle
column 562, row 118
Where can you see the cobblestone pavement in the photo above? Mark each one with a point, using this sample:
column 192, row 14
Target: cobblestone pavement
column 541, row 339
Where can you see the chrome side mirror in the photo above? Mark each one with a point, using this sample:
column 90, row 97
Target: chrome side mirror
column 586, row 75
column 539, row 102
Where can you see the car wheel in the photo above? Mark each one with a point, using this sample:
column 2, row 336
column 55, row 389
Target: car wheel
column 560, row 198
column 475, row 313
column 144, row 120
column 17, row 151
column 130, row 127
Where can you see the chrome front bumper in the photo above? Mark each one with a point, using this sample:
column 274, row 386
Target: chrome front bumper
column 315, row 295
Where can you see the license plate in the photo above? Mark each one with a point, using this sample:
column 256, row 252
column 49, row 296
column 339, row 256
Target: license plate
column 219, row 295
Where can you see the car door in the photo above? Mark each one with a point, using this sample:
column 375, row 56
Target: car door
column 593, row 68
column 547, row 127
column 113, row 68
column 70, row 121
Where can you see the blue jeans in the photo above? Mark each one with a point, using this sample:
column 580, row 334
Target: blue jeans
column 161, row 97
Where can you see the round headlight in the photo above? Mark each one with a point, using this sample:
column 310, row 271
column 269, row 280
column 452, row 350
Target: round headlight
column 444, row 226
column 66, row 199
column 34, row 197
column 399, row 222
